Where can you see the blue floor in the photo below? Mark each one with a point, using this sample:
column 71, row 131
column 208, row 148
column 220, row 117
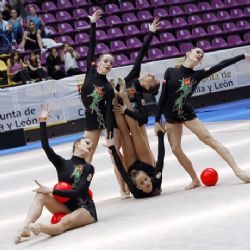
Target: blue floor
column 238, row 110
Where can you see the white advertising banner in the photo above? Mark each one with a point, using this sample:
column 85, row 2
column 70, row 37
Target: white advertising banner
column 21, row 105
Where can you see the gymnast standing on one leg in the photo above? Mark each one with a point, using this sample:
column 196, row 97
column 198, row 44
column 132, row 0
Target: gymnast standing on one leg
column 180, row 83
column 142, row 178
column 80, row 208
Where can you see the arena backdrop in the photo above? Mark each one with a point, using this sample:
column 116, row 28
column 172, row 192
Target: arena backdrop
column 21, row 105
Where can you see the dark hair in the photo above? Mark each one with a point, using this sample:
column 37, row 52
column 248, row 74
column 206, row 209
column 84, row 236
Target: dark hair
column 75, row 142
column 102, row 55
column 12, row 55
column 134, row 174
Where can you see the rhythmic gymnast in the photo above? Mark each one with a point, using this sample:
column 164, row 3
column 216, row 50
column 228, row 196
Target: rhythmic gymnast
column 180, row 83
column 142, row 175
column 80, row 208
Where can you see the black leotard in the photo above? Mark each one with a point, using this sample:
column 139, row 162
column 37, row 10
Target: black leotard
column 134, row 89
column 154, row 172
column 97, row 94
column 79, row 195
column 180, row 83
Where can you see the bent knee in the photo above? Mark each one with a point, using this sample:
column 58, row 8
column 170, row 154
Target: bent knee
column 42, row 197
column 176, row 150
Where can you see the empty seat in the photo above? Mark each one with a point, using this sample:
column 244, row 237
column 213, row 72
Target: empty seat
column 166, row 37
column 133, row 56
column 191, row 8
column 170, row 51
column 230, row 3
column 102, row 48
column 48, row 18
column 63, row 15
column 223, row 15
column 204, row 44
column 101, row 35
column 64, row 28
column 185, row 47
column 81, row 38
column 165, row 24
column 244, row 1
column 204, row 6
column 82, row 51
column 198, row 31
column 50, row 30
column 82, row 65
column 209, row 17
column 115, row 32
column 118, row 45
column 155, row 41
column 129, row 17
column 93, row 9
column 179, row 22
column 234, row 40
column 65, row 39
column 79, row 13
column 216, row 4
column 247, row 11
column 81, row 25
column 219, row 42
column 161, row 12
column 100, row 23
column 142, row 4
column 214, row 29
column 194, row 19
column 131, row 30
column 126, row 6
column 236, row 13
column 48, row 6
column 133, row 43
column 111, row 8
column 157, row 2
column 229, row 27
column 175, row 10
column 243, row 25
column 121, row 60
column 80, row 3
column 247, row 37
column 113, row 20
column 183, row 34
column 64, row 4
column 144, row 15
column 155, row 53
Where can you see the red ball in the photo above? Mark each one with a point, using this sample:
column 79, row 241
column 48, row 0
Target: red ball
column 90, row 193
column 62, row 186
column 57, row 217
column 209, row 177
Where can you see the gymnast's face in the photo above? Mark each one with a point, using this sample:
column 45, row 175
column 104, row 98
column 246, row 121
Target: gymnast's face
column 143, row 182
column 85, row 145
column 149, row 82
column 195, row 55
column 105, row 64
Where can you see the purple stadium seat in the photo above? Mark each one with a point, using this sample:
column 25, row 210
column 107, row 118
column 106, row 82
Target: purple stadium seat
column 157, row 2
column 198, row 31
column 204, row 44
column 126, row 6
column 81, row 38
column 63, row 15
column 64, row 4
column 65, row 39
column 191, row 8
column 204, row 6
column 236, row 13
column 133, row 43
column 129, row 17
column 243, row 25
column 82, row 66
column 185, row 47
column 101, row 35
column 214, row 29
column 230, row 3
column 64, row 28
column 155, row 41
column 247, row 11
column 100, row 23
column 111, row 8
column 144, row 27
column 155, row 53
column 223, row 15
column 43, row 58
column 179, row 22
column 93, row 9
column 229, row 27
column 82, row 51
column 166, row 37
column 170, row 51
column 144, row 15
column 102, row 48
column 209, row 17
column 247, row 37
column 175, row 10
column 48, row 18
column 118, row 45
column 131, row 30
column 121, row 60
column 80, row 3
column 219, row 42
column 194, row 19
column 114, row 32
column 81, row 25
column 50, row 30
column 142, row 4
column 244, row 1
column 48, row 6
column 165, row 24
column 79, row 13
column 183, row 34
column 161, row 12
column 216, row 4
column 134, row 54
column 234, row 40
column 113, row 20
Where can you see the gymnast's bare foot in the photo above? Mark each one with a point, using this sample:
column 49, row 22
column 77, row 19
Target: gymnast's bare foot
column 241, row 174
column 194, row 184
column 25, row 232
column 123, row 90
column 35, row 228
column 125, row 195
